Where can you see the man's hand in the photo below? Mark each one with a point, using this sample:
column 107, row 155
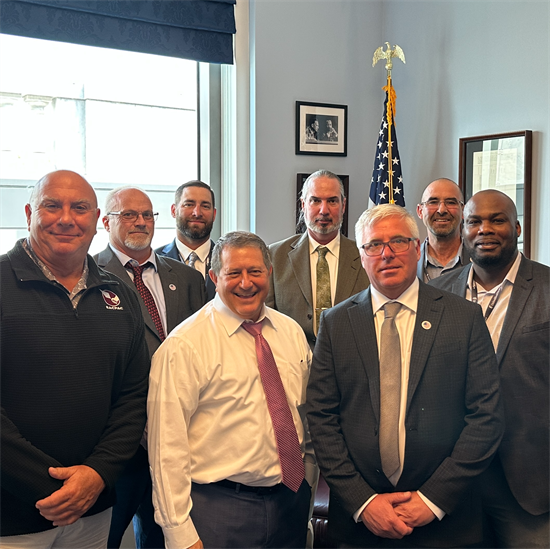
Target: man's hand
column 197, row 545
column 414, row 512
column 380, row 518
column 79, row 492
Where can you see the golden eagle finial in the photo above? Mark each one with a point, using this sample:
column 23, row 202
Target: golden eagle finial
column 387, row 55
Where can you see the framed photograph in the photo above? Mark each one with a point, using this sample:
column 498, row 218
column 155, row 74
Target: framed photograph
column 500, row 161
column 321, row 129
column 300, row 225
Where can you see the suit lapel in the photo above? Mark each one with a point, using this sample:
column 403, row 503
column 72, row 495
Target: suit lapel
column 428, row 317
column 520, row 294
column 461, row 283
column 362, row 324
column 348, row 265
column 299, row 257
column 169, row 280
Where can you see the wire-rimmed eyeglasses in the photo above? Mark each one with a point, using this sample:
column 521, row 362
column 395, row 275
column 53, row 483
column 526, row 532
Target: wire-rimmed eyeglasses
column 450, row 203
column 396, row 245
column 130, row 216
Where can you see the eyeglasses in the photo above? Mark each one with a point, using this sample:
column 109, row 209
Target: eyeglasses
column 396, row 245
column 129, row 216
column 450, row 203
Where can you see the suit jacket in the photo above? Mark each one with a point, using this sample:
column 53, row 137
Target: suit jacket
column 523, row 357
column 183, row 289
column 453, row 418
column 464, row 260
column 290, row 287
column 171, row 250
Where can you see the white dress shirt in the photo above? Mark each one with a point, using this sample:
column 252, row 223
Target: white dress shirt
column 203, row 251
column 404, row 321
column 496, row 318
column 207, row 413
column 150, row 278
column 332, row 258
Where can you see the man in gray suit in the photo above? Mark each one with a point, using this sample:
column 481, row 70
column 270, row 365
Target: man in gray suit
column 514, row 293
column 294, row 288
column 403, row 402
column 169, row 293
column 441, row 213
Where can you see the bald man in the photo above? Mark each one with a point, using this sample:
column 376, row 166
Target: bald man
column 441, row 213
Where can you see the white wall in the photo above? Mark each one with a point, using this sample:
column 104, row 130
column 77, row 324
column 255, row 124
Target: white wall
column 473, row 68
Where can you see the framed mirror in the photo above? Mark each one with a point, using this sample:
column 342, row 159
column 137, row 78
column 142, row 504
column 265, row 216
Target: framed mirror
column 500, row 161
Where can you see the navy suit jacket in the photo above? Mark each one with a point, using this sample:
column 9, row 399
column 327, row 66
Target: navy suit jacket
column 453, row 417
column 523, row 356
column 290, row 287
column 171, row 250
column 183, row 289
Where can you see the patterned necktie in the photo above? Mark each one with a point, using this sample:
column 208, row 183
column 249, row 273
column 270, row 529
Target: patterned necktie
column 390, row 390
column 323, row 296
column 191, row 259
column 288, row 445
column 147, row 296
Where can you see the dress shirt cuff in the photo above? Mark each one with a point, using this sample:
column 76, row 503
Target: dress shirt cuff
column 357, row 514
column 439, row 513
column 182, row 536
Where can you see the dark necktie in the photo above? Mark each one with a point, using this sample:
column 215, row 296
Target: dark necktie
column 147, row 296
column 390, row 390
column 323, row 298
column 191, row 259
column 288, row 445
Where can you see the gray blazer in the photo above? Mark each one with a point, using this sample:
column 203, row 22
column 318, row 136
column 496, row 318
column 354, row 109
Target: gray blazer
column 453, row 416
column 290, row 288
column 523, row 355
column 183, row 292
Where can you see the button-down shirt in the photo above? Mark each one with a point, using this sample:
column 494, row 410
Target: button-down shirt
column 207, row 412
column 203, row 251
column 432, row 268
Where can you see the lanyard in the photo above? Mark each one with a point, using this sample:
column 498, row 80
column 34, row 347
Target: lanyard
column 492, row 303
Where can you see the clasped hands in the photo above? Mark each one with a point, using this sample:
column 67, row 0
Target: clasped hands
column 395, row 515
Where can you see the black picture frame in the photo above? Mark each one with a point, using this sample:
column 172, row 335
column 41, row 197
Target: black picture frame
column 300, row 225
column 500, row 161
column 329, row 137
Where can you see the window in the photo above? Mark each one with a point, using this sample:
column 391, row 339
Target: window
column 115, row 117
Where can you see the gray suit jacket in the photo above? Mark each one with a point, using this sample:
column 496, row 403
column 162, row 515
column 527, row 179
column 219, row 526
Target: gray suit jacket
column 290, row 288
column 453, row 417
column 183, row 292
column 523, row 355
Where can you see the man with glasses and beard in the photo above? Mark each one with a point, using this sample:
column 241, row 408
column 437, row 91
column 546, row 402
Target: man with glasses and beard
column 514, row 293
column 194, row 211
column 441, row 213
column 169, row 293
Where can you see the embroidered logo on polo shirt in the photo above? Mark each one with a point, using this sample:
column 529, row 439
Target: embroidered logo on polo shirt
column 112, row 300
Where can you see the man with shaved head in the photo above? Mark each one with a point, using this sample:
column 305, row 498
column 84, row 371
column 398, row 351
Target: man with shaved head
column 74, row 375
column 441, row 213
column 169, row 292
column 514, row 293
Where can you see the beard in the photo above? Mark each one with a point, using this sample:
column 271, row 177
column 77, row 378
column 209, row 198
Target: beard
column 138, row 241
column 503, row 258
column 334, row 226
column 444, row 232
column 191, row 233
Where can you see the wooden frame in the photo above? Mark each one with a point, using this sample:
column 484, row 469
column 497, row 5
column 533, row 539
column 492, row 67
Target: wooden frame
column 500, row 161
column 300, row 225
column 321, row 129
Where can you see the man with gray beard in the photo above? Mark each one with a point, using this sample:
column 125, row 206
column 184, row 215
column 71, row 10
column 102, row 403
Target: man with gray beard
column 194, row 210
column 169, row 293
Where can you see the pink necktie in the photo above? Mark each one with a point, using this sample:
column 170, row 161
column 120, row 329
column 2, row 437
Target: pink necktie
column 288, row 445
column 147, row 296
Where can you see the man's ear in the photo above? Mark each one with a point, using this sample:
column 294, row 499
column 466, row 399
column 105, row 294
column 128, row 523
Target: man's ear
column 213, row 277
column 105, row 221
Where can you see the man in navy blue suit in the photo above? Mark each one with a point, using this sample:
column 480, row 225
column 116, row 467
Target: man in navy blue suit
column 194, row 210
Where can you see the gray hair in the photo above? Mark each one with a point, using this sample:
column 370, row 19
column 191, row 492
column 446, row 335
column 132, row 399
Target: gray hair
column 238, row 239
column 378, row 213
column 315, row 175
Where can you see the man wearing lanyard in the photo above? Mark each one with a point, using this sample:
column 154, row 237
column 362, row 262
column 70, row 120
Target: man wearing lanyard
column 514, row 293
column 441, row 213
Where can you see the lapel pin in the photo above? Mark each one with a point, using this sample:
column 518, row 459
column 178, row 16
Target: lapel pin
column 172, row 287
column 426, row 325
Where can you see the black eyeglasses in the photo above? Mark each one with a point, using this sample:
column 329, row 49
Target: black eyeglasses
column 130, row 216
column 450, row 203
column 396, row 245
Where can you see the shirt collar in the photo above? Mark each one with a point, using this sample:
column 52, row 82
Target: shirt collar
column 429, row 259
column 333, row 246
column 202, row 251
column 123, row 258
column 232, row 321
column 409, row 298
column 510, row 275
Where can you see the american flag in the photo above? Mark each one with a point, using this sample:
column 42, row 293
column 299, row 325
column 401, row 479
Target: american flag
column 380, row 185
